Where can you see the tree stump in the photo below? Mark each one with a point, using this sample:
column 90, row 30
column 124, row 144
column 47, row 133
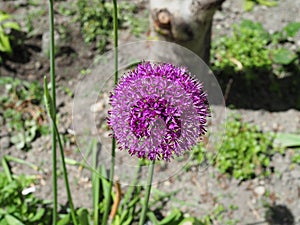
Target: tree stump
column 186, row 22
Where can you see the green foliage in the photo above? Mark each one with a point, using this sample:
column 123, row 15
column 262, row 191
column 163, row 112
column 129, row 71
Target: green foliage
column 283, row 56
column 67, row 9
column 249, row 4
column 244, row 153
column 296, row 157
column 290, row 30
column 288, row 140
column 251, row 49
column 24, row 131
column 5, row 38
column 131, row 201
column 175, row 217
column 97, row 22
column 216, row 216
column 18, row 209
column 29, row 26
column 287, row 33
column 245, row 150
column 22, row 112
column 246, row 49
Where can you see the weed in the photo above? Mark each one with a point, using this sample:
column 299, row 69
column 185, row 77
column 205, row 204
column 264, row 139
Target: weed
column 244, row 153
column 67, row 9
column 6, row 25
column 245, row 50
column 22, row 112
column 249, row 4
column 96, row 20
column 251, row 50
column 18, row 207
column 30, row 27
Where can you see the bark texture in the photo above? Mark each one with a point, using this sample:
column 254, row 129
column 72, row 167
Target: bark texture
column 186, row 22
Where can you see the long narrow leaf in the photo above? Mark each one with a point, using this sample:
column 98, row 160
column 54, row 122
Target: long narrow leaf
column 4, row 16
column 96, row 196
column 172, row 218
column 21, row 161
column 11, row 220
column 5, row 44
column 105, row 182
column 6, row 169
column 129, row 219
column 11, row 25
column 132, row 187
column 65, row 220
column 152, row 218
column 95, row 179
column 89, row 150
column 83, row 216
column 76, row 163
column 287, row 140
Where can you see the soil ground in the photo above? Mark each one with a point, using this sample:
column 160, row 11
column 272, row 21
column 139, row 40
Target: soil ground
column 201, row 190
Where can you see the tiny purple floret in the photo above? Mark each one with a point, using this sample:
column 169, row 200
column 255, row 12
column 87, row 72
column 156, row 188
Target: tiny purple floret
column 158, row 111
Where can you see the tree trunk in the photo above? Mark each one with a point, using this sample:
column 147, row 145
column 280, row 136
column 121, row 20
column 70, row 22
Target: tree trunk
column 186, row 22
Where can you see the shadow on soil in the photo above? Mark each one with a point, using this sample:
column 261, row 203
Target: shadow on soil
column 259, row 88
column 22, row 50
column 277, row 215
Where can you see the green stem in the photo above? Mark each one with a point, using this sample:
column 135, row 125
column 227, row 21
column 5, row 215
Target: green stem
column 132, row 186
column 116, row 39
column 95, row 182
column 6, row 169
column 148, row 190
column 113, row 150
column 52, row 75
column 21, row 161
column 65, row 174
column 111, row 178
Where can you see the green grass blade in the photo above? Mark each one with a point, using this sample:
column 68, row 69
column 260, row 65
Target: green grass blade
column 287, row 140
column 83, row 216
column 6, row 169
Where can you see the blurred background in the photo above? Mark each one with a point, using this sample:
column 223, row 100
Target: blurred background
column 254, row 53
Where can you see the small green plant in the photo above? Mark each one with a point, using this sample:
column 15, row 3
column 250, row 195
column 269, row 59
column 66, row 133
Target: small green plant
column 96, row 20
column 22, row 112
column 137, row 25
column 251, row 50
column 67, row 9
column 245, row 50
column 6, row 24
column 244, row 153
column 18, row 207
column 249, row 4
column 30, row 27
column 216, row 216
column 175, row 217
column 279, row 54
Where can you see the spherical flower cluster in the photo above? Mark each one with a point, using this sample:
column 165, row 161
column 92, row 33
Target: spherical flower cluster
column 158, row 111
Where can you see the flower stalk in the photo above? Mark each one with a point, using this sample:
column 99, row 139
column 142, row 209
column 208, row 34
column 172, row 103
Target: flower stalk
column 49, row 103
column 53, row 106
column 113, row 148
column 148, row 191
column 65, row 175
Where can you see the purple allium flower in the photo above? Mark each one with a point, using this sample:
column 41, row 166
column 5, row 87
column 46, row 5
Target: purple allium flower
column 158, row 111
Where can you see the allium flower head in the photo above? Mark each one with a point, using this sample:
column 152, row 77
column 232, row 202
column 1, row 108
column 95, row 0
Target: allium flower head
column 158, row 111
